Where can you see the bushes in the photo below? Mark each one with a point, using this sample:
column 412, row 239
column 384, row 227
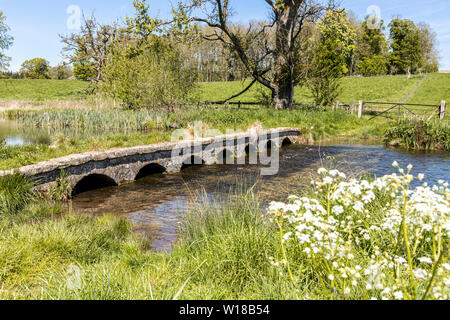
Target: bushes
column 151, row 76
column 420, row 135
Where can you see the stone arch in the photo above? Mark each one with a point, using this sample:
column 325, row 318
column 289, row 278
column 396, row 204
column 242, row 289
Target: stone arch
column 225, row 156
column 192, row 161
column 286, row 142
column 150, row 169
column 93, row 182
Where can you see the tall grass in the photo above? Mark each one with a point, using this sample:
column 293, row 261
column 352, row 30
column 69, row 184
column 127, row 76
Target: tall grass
column 15, row 194
column 224, row 252
column 420, row 135
column 89, row 120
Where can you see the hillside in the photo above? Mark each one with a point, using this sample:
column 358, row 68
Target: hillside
column 434, row 89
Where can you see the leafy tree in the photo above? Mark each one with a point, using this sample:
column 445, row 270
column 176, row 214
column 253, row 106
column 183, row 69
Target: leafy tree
column 145, row 69
column 333, row 53
column 373, row 42
column 279, row 41
column 88, row 51
column 5, row 41
column 61, row 72
column 371, row 50
column 407, row 51
column 430, row 56
column 36, row 68
column 375, row 65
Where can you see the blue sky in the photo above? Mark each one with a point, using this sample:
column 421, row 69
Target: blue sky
column 36, row 25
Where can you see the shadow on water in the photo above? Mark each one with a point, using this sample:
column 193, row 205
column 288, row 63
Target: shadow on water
column 157, row 203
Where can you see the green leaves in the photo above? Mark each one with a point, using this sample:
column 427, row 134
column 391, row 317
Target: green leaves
column 406, row 46
column 5, row 41
column 36, row 68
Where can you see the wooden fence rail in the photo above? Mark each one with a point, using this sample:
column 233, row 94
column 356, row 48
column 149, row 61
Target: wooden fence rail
column 376, row 109
column 394, row 109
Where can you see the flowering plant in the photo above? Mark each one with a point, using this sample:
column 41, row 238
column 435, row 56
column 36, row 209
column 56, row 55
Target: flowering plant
column 368, row 238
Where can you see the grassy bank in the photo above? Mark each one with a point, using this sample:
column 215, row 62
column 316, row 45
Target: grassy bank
column 316, row 123
column 419, row 135
column 41, row 91
column 232, row 250
column 381, row 88
column 386, row 89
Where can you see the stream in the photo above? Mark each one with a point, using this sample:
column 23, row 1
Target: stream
column 157, row 204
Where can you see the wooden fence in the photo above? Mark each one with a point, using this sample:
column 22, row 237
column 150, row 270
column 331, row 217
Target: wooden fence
column 391, row 110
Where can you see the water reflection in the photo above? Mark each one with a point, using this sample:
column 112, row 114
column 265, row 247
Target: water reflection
column 157, row 204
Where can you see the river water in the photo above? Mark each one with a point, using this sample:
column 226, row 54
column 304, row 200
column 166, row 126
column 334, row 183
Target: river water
column 158, row 203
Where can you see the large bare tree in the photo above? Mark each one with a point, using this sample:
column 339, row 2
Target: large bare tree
column 88, row 50
column 279, row 42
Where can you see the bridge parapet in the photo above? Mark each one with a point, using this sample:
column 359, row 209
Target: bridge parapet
column 121, row 165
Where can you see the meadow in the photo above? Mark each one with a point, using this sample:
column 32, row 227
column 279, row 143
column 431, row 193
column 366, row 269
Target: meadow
column 433, row 90
column 39, row 92
column 355, row 246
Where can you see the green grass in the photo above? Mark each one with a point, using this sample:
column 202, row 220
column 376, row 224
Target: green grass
column 382, row 88
column 41, row 91
column 435, row 89
column 420, row 135
column 224, row 252
column 76, row 131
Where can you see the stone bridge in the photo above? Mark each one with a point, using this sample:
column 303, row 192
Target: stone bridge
column 92, row 170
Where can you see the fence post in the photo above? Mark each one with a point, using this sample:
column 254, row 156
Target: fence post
column 336, row 106
column 442, row 110
column 360, row 108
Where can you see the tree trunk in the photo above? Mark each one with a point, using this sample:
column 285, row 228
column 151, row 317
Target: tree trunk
column 283, row 96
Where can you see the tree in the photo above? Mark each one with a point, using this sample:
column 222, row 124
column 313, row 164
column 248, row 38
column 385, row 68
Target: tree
column 88, row 51
column 371, row 50
column 279, row 41
column 61, row 72
column 430, row 56
column 375, row 65
column 145, row 68
column 5, row 41
column 373, row 42
column 36, row 68
column 332, row 54
column 407, row 51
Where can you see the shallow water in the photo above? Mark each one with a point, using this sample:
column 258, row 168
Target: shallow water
column 13, row 133
column 157, row 204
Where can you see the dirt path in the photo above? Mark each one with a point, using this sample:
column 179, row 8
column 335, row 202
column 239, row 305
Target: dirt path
column 413, row 91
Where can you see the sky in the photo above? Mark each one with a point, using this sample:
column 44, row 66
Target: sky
column 36, row 25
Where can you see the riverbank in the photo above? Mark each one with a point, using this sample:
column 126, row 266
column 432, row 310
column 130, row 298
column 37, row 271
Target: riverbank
column 419, row 135
column 79, row 131
column 231, row 249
